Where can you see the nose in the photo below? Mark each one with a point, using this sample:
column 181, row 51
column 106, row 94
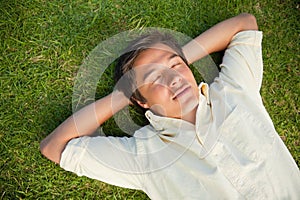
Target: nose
column 174, row 78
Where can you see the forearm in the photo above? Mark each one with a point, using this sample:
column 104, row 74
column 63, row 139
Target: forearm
column 218, row 37
column 82, row 123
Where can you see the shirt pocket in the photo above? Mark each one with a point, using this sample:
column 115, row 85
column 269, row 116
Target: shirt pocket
column 245, row 136
column 246, row 141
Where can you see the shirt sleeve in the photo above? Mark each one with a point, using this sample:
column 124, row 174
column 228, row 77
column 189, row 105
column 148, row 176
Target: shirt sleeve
column 242, row 65
column 109, row 159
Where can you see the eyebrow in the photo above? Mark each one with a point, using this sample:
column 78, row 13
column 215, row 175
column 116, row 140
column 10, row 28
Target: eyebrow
column 146, row 75
column 173, row 56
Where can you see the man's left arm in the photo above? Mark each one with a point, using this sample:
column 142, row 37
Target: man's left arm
column 218, row 37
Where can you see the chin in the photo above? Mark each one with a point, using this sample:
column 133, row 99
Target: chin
column 189, row 107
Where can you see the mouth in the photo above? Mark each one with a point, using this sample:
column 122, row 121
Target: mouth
column 181, row 91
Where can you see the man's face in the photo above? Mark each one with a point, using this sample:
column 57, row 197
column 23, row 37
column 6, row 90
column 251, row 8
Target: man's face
column 166, row 82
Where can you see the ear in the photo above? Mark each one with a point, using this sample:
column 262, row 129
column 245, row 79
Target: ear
column 142, row 104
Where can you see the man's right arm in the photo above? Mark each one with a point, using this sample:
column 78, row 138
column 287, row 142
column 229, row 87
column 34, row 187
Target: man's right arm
column 82, row 123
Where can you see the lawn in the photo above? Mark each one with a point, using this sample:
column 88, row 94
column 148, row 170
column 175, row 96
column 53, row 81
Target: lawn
column 43, row 44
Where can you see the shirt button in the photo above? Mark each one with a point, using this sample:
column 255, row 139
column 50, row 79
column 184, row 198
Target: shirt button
column 241, row 182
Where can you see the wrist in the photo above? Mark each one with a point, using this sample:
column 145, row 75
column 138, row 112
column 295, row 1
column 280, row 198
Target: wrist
column 118, row 100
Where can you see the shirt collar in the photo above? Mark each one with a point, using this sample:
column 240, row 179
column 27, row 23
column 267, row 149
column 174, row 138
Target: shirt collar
column 195, row 137
column 183, row 132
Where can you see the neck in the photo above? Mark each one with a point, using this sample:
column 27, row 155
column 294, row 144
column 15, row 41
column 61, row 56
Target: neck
column 191, row 116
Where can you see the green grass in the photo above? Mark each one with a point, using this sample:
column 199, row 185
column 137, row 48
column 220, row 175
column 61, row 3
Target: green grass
column 44, row 42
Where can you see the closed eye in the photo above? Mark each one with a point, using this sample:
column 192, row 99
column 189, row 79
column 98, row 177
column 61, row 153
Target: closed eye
column 174, row 65
column 153, row 78
column 156, row 78
column 175, row 60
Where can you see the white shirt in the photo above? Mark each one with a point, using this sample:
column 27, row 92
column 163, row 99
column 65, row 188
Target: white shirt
column 232, row 152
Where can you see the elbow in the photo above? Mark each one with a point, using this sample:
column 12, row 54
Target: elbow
column 248, row 22
column 45, row 149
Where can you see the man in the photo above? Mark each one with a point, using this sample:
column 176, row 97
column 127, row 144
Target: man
column 203, row 142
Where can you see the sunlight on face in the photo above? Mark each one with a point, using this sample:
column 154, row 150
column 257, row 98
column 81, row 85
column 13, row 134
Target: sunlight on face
column 167, row 83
